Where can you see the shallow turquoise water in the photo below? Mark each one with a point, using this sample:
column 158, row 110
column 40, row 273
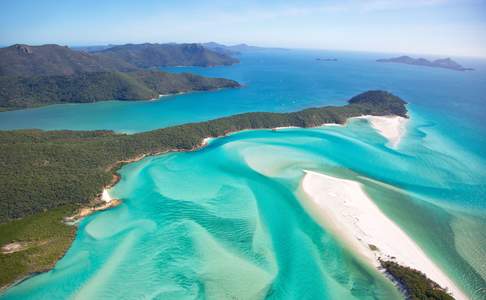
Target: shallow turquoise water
column 226, row 221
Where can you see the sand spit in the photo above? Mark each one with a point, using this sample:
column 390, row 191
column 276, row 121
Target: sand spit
column 393, row 128
column 344, row 208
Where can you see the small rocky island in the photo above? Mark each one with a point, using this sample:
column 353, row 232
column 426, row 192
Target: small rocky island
column 445, row 63
column 326, row 59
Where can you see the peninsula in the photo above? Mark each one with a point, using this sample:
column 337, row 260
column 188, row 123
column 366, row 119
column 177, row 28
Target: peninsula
column 24, row 92
column 343, row 207
column 445, row 63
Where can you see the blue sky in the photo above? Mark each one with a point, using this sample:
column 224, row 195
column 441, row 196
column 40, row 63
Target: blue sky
column 445, row 27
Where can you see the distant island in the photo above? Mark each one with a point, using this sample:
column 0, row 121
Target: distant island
column 32, row 76
column 445, row 63
column 326, row 59
column 92, row 48
column 237, row 49
column 230, row 50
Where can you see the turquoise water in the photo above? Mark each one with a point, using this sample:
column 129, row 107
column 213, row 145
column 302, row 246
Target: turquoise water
column 226, row 222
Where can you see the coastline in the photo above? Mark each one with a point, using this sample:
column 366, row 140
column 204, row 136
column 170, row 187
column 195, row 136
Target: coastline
column 103, row 200
column 160, row 96
column 97, row 204
column 341, row 206
column 389, row 104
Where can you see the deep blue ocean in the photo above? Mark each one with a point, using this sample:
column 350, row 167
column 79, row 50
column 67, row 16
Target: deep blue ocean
column 225, row 222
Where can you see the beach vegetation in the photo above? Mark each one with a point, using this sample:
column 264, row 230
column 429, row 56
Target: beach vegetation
column 416, row 284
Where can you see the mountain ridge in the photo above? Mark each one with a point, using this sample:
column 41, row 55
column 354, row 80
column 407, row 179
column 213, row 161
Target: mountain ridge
column 52, row 59
column 149, row 55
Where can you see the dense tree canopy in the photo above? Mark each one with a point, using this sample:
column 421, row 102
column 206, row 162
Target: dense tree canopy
column 46, row 169
column 21, row 92
column 416, row 284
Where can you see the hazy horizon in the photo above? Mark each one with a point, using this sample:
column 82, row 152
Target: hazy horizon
column 427, row 27
column 411, row 53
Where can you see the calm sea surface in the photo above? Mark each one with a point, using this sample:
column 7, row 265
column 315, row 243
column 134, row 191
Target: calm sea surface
column 226, row 222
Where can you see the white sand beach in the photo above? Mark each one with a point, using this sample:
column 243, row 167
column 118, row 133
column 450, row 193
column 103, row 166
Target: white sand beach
column 105, row 196
column 392, row 128
column 284, row 127
column 342, row 207
column 331, row 125
column 206, row 141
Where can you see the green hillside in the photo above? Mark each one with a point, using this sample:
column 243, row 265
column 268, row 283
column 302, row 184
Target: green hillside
column 33, row 76
column 45, row 60
column 163, row 55
column 22, row 92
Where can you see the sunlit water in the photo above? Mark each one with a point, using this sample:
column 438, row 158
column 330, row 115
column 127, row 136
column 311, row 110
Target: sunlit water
column 226, row 222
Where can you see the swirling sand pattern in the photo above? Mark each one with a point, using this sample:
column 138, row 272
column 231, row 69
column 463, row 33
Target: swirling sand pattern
column 225, row 222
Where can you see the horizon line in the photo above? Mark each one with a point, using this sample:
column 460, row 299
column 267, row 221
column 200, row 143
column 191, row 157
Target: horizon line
column 253, row 45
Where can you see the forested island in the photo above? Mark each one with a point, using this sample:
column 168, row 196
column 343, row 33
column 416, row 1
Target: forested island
column 33, row 76
column 445, row 63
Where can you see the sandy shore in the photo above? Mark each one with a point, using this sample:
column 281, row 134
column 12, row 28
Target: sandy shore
column 105, row 196
column 344, row 208
column 393, row 128
column 206, row 141
column 331, row 125
column 284, row 127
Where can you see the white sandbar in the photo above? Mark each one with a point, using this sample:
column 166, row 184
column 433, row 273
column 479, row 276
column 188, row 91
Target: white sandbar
column 393, row 128
column 344, row 208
